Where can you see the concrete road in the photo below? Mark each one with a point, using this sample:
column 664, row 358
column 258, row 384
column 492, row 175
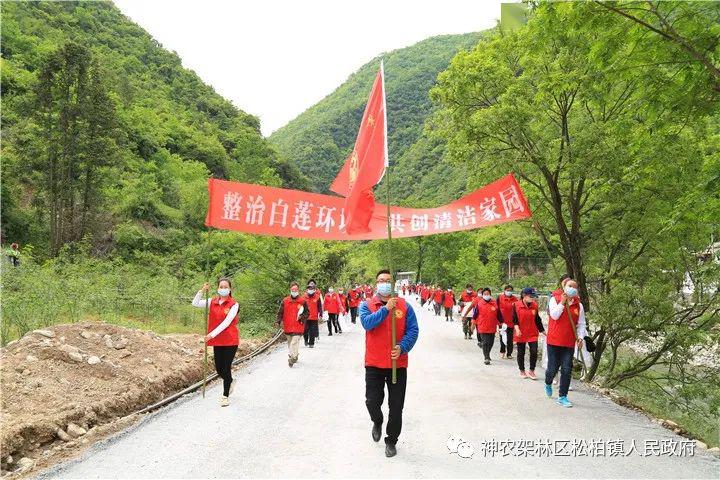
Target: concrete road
column 311, row 421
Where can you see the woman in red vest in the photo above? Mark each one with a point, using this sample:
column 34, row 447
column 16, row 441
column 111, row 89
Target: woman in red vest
column 332, row 307
column 448, row 303
column 437, row 299
column 222, row 333
column 315, row 310
column 505, row 301
column 354, row 296
column 486, row 319
column 566, row 329
column 292, row 316
column 467, row 297
column 528, row 326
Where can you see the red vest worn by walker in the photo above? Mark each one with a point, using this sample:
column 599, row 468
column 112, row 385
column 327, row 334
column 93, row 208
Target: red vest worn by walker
column 486, row 320
column 560, row 332
column 216, row 314
column 312, row 305
column 526, row 322
column 291, row 308
column 506, row 308
column 378, row 344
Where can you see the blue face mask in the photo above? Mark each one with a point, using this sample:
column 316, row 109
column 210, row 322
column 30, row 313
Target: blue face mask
column 223, row 292
column 384, row 289
column 571, row 291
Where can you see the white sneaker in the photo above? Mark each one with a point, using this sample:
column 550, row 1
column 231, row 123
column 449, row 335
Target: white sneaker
column 224, row 401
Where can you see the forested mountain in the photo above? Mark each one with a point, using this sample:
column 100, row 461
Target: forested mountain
column 107, row 135
column 319, row 139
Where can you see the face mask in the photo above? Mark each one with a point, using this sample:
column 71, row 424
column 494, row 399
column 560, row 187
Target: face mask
column 341, row 292
column 331, row 290
column 508, row 293
column 294, row 293
column 384, row 289
column 487, row 297
column 571, row 291
column 468, row 291
column 223, row 292
column 310, row 291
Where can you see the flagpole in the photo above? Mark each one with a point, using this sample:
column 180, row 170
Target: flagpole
column 393, row 331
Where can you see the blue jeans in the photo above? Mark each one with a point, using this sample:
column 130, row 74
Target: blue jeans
column 560, row 358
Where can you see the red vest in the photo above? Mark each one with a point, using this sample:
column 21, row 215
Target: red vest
column 312, row 304
column 291, row 307
column 506, row 308
column 449, row 300
column 526, row 322
column 437, row 296
column 486, row 320
column 560, row 333
column 331, row 304
column 425, row 294
column 378, row 343
column 216, row 315
column 467, row 297
column 354, row 300
column 342, row 298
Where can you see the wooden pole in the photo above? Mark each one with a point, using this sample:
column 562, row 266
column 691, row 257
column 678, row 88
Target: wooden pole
column 207, row 316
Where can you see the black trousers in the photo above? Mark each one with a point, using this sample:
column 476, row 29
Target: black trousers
column 375, row 381
column 223, row 357
column 437, row 308
column 448, row 313
column 311, row 331
column 487, row 340
column 353, row 314
column 333, row 321
column 521, row 355
column 509, row 346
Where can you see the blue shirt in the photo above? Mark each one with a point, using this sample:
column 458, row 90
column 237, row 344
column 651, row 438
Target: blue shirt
column 371, row 320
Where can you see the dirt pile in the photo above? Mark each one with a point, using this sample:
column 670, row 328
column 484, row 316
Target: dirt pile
column 63, row 386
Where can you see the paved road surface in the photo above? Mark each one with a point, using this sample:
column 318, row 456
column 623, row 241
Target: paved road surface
column 311, row 421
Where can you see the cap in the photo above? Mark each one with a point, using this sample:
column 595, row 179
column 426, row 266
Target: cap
column 529, row 291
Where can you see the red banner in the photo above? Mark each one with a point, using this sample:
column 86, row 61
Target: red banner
column 295, row 214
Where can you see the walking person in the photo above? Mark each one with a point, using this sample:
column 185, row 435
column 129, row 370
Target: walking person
column 466, row 299
column 505, row 301
column 527, row 326
column 437, row 300
column 315, row 311
column 448, row 304
column 379, row 353
column 486, row 320
column 566, row 329
column 354, row 302
column 223, row 333
column 332, row 307
column 292, row 315
column 342, row 298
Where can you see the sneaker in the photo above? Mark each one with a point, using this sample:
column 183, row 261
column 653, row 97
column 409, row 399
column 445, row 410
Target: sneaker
column 548, row 390
column 523, row 374
column 376, row 431
column 311, row 345
column 224, row 401
column 509, row 357
column 563, row 401
column 531, row 375
column 390, row 450
column 502, row 355
column 329, row 334
column 487, row 362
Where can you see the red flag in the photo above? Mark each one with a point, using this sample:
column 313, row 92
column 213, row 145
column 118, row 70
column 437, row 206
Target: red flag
column 366, row 165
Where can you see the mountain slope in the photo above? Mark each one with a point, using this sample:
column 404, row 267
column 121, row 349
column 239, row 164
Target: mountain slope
column 320, row 138
column 171, row 129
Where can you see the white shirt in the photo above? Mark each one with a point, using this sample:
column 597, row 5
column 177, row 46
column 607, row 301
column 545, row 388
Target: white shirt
column 555, row 309
column 200, row 302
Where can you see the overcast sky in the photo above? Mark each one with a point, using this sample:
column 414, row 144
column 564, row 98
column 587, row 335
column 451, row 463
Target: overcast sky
column 276, row 58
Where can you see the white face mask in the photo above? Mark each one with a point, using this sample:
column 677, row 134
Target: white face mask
column 223, row 292
column 508, row 293
column 487, row 297
column 331, row 290
column 294, row 293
